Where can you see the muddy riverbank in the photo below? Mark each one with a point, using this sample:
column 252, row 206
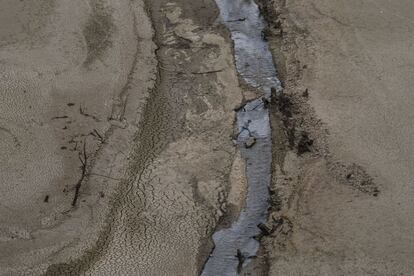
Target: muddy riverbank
column 118, row 125
column 343, row 186
column 132, row 120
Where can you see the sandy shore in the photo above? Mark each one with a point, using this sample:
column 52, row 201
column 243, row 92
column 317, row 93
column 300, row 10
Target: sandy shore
column 347, row 69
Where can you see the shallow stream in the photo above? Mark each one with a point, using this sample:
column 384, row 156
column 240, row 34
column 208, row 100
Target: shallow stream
column 254, row 64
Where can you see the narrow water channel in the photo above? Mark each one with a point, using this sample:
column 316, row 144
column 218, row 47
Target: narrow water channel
column 254, row 64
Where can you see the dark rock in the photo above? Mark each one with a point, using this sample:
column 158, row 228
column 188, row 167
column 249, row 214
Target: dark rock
column 239, row 107
column 304, row 143
column 264, row 228
column 250, row 142
column 241, row 259
column 266, row 102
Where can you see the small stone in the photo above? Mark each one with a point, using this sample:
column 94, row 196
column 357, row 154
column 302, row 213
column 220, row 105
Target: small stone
column 266, row 102
column 304, row 144
column 239, row 107
column 305, row 93
column 250, row 142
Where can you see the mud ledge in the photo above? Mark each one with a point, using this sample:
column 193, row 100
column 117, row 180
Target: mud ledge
column 125, row 121
column 299, row 137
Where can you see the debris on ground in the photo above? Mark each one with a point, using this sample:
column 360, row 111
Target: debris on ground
column 241, row 259
column 239, row 107
column 266, row 102
column 250, row 142
column 304, row 144
column 266, row 231
column 355, row 176
column 284, row 104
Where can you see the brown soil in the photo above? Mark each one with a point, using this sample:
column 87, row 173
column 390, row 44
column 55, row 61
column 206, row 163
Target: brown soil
column 346, row 206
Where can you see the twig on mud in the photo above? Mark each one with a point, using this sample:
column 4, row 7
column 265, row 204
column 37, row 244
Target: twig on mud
column 60, row 117
column 82, row 112
column 207, row 72
column 97, row 135
column 84, row 163
column 237, row 20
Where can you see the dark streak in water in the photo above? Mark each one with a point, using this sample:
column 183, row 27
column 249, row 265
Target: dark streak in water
column 255, row 65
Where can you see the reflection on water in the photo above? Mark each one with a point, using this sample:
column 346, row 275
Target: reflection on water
column 255, row 65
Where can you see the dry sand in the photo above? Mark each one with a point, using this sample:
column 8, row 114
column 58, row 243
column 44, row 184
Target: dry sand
column 356, row 60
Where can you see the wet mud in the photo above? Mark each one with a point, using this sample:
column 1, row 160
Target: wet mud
column 129, row 124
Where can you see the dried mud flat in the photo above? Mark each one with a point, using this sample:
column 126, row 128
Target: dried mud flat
column 343, row 188
column 116, row 126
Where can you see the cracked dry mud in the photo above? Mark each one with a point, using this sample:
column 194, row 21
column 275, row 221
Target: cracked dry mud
column 116, row 127
column 148, row 89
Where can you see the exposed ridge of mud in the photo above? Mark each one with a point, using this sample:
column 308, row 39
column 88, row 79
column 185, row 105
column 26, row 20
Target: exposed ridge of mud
column 302, row 148
column 91, row 255
column 304, row 131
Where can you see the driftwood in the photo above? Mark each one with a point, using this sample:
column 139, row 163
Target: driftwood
column 207, row 72
column 266, row 231
column 304, row 144
column 98, row 135
column 241, row 259
column 237, row 20
column 84, row 163
column 60, row 117
column 250, row 142
column 82, row 112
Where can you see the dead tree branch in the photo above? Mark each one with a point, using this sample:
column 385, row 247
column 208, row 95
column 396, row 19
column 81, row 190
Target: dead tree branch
column 84, row 163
